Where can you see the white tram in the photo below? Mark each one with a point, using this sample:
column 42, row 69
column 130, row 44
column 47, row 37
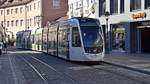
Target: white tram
column 76, row 39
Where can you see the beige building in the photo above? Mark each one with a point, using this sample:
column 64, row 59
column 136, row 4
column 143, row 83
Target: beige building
column 17, row 15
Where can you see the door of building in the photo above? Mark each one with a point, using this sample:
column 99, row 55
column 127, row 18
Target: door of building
column 145, row 40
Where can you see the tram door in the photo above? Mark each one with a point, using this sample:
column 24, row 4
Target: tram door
column 75, row 46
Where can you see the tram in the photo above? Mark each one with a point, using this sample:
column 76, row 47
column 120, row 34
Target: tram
column 76, row 39
column 19, row 39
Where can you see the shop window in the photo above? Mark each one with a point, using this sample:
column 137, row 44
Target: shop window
column 118, row 38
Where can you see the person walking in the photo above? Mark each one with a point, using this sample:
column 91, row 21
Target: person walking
column 5, row 47
column 1, row 44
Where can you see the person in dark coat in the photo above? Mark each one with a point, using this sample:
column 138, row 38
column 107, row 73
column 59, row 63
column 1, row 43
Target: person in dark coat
column 5, row 47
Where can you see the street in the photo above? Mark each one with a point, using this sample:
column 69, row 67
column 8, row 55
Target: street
column 31, row 67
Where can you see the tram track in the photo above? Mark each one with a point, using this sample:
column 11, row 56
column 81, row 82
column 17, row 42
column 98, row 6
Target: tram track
column 119, row 73
column 32, row 66
column 102, row 69
column 35, row 63
column 30, row 72
column 50, row 72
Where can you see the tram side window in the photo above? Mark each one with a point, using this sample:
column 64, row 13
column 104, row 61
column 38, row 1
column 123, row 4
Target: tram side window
column 32, row 38
column 76, row 42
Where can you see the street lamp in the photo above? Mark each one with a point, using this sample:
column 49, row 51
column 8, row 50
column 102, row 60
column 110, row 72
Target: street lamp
column 107, row 32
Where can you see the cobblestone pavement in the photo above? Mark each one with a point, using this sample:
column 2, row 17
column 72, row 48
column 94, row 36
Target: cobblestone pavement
column 30, row 67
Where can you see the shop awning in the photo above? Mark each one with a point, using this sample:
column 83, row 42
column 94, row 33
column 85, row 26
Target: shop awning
column 143, row 27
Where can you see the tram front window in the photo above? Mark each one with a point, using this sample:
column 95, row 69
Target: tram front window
column 92, row 40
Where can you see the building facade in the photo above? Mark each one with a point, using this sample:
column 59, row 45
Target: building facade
column 18, row 15
column 83, row 8
column 126, row 27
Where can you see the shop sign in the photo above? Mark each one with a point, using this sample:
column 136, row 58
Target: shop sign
column 145, row 23
column 139, row 15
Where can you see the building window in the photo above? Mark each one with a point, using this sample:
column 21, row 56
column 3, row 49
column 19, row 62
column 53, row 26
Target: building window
column 1, row 12
column 34, row 5
column 27, row 8
column 87, row 1
column 16, row 10
column 147, row 4
column 11, row 11
column 21, row 9
column 21, row 22
column 7, row 11
column 34, row 21
column 102, row 7
column 113, row 6
column 30, row 7
column 38, row 4
column 56, row 3
column 2, row 23
column 7, row 23
column 121, row 6
column 12, row 23
column 27, row 22
column 30, row 22
column 135, row 5
column 16, row 22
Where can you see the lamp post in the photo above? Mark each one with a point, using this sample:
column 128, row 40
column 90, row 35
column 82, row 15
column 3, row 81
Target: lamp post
column 107, row 32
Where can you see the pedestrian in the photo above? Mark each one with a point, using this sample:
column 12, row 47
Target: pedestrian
column 5, row 47
column 1, row 48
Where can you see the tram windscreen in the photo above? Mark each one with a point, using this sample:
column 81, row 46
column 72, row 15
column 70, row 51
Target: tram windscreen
column 92, row 40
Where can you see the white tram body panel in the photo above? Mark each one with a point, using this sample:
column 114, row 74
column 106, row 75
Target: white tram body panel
column 78, row 53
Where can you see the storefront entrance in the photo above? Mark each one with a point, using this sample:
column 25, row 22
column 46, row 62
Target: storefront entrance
column 118, row 39
column 145, row 40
